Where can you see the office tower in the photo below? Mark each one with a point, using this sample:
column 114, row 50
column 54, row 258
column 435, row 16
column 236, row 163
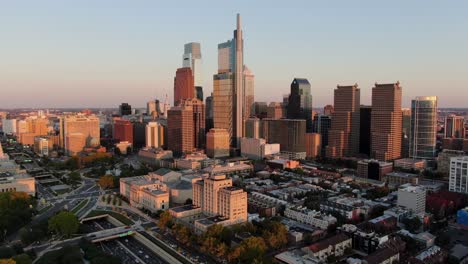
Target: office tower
column 217, row 143
column 373, row 169
column 343, row 137
column 412, row 197
column 253, row 128
column 249, row 89
column 83, row 131
column 41, row 146
column 198, row 109
column 328, row 110
column 150, row 107
column 260, row 109
column 209, row 123
column 139, row 134
column 154, row 135
column 192, row 59
column 275, row 110
column 199, row 93
column 123, row 130
column 322, row 124
column 300, row 102
column 423, row 132
column 406, row 128
column 289, row 133
column 183, row 85
column 230, row 87
column 386, row 121
column 458, row 181
column 180, row 130
column 454, row 126
column 125, row 109
column 313, row 145
column 365, row 130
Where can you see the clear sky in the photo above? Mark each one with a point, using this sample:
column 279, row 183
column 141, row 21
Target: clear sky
column 99, row 53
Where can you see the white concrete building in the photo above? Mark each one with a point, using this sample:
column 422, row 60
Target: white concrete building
column 458, row 181
column 412, row 197
column 257, row 148
column 309, row 217
column 9, row 126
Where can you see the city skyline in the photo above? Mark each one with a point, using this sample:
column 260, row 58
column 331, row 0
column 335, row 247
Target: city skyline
column 120, row 49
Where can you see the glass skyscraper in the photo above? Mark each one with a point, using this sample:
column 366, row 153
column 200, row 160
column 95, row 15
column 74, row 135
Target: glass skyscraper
column 423, row 127
column 300, row 102
column 233, row 88
column 192, row 58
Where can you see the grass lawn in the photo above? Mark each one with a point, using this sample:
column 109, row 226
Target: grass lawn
column 79, row 206
column 116, row 215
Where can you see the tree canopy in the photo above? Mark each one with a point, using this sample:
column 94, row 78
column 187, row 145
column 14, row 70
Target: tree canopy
column 16, row 210
column 64, row 223
column 106, row 182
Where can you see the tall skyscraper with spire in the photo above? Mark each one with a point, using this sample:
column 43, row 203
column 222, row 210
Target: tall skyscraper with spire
column 231, row 85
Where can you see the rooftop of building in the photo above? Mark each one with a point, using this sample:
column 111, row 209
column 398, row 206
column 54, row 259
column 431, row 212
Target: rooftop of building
column 402, row 174
column 380, row 255
column 184, row 208
column 332, row 241
column 211, row 220
column 381, row 163
column 412, row 188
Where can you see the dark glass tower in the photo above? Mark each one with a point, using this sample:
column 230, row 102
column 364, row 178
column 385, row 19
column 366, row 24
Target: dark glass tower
column 300, row 102
column 365, row 130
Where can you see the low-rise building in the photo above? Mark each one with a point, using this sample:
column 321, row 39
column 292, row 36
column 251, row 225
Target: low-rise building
column 230, row 168
column 145, row 192
column 373, row 169
column 154, row 156
column 309, row 217
column 257, row 148
column 333, row 246
column 383, row 256
column 400, row 178
column 283, row 164
column 408, row 164
column 347, row 206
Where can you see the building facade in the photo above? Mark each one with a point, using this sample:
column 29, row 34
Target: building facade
column 154, row 135
column 454, row 126
column 458, row 180
column 289, row 133
column 423, row 133
column 343, row 138
column 217, row 143
column 412, row 197
column 300, row 102
column 386, row 121
column 180, row 130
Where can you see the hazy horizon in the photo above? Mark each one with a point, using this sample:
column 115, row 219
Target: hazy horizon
column 98, row 54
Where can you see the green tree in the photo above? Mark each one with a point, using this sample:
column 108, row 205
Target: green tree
column 182, row 233
column 275, row 234
column 165, row 220
column 64, row 223
column 73, row 163
column 74, row 178
column 108, row 200
column 251, row 250
column 16, row 210
column 106, row 182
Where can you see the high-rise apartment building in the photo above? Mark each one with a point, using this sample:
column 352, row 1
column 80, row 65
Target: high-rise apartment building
column 406, row 130
column 231, row 85
column 300, row 102
column 125, row 109
column 458, row 180
column 83, row 131
column 180, row 130
column 386, row 121
column 183, row 85
column 454, row 126
column 9, row 126
column 343, row 137
column 365, row 130
column 154, row 135
column 217, row 143
column 423, row 132
column 123, row 130
column 412, row 197
column 198, row 109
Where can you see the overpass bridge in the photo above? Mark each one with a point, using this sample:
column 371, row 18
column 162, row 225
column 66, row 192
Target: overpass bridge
column 109, row 234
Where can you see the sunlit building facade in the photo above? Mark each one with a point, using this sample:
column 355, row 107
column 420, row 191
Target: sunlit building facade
column 423, row 133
